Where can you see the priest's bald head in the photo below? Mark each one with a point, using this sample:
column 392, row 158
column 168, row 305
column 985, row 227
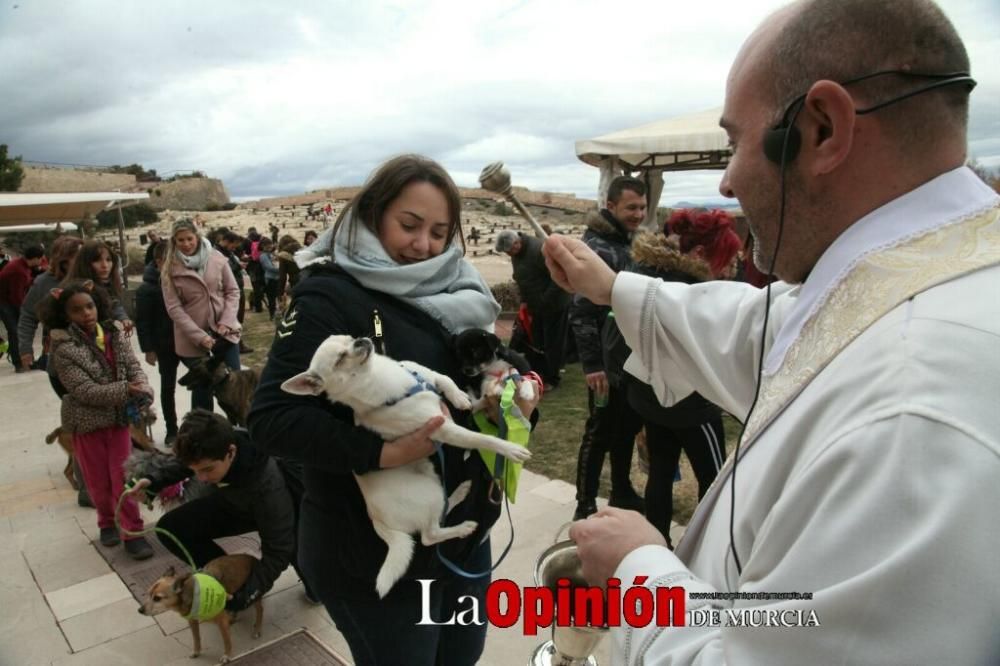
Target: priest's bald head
column 799, row 69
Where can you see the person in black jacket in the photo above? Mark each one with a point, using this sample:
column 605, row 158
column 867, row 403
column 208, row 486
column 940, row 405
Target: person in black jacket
column 156, row 336
column 695, row 246
column 547, row 303
column 391, row 269
column 250, row 495
column 612, row 425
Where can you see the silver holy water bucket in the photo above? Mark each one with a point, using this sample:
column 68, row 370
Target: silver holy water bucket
column 570, row 646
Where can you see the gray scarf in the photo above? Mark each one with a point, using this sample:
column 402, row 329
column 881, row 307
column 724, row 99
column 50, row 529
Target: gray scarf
column 199, row 260
column 446, row 287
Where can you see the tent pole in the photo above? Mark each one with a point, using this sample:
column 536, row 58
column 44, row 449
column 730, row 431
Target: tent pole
column 122, row 251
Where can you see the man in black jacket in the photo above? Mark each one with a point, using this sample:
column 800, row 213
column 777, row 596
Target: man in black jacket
column 250, row 495
column 546, row 301
column 612, row 425
column 156, row 335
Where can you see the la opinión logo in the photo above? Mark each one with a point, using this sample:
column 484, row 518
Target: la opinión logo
column 567, row 605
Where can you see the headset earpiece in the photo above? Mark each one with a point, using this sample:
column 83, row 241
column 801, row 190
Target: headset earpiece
column 774, row 143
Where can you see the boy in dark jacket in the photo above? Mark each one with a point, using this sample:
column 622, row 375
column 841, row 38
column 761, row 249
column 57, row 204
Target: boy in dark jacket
column 250, row 495
column 612, row 425
column 156, row 336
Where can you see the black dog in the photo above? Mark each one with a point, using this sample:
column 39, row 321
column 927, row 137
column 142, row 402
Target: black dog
column 484, row 358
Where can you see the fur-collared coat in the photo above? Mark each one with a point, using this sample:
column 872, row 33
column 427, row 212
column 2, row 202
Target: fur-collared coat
column 660, row 256
column 96, row 395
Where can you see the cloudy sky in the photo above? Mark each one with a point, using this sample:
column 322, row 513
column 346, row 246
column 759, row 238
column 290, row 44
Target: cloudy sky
column 284, row 97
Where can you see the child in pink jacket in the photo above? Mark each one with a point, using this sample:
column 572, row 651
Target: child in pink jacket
column 94, row 361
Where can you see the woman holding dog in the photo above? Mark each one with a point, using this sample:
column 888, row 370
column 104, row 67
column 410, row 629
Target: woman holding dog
column 391, row 269
column 202, row 299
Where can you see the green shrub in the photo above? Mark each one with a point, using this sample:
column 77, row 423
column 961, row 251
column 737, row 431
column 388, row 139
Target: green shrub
column 507, row 295
column 229, row 206
column 138, row 214
column 502, row 209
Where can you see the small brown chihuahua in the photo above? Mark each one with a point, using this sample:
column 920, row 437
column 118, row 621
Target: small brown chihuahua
column 177, row 593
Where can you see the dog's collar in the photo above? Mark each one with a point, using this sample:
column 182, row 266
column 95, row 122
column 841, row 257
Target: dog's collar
column 420, row 386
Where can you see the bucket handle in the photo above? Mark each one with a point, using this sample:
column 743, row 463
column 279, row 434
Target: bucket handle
column 562, row 528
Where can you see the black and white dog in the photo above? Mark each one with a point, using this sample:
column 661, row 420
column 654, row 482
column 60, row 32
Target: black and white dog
column 485, row 358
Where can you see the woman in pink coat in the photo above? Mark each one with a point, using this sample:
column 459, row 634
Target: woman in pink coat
column 202, row 297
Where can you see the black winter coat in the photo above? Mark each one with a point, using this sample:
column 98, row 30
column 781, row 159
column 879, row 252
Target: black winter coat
column 536, row 286
column 340, row 553
column 607, row 237
column 152, row 323
column 255, row 488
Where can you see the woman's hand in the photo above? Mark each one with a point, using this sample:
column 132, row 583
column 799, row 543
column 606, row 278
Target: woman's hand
column 207, row 342
column 224, row 330
column 138, row 388
column 414, row 446
column 151, row 358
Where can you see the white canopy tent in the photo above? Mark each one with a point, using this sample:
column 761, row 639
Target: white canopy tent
column 41, row 211
column 28, row 208
column 685, row 143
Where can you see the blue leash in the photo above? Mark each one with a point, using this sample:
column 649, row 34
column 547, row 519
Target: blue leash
column 454, row 568
column 423, row 385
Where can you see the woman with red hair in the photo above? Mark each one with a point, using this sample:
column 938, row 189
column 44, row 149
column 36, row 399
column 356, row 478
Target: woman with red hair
column 695, row 246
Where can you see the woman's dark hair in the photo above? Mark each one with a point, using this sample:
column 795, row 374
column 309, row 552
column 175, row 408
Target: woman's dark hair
column 82, row 267
column 51, row 310
column 386, row 183
column 711, row 230
column 64, row 249
column 310, row 233
column 160, row 250
column 265, row 242
column 203, row 435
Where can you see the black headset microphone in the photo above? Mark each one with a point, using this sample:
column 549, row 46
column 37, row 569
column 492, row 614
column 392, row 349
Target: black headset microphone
column 781, row 145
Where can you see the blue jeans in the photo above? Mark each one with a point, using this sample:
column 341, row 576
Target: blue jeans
column 201, row 396
column 386, row 633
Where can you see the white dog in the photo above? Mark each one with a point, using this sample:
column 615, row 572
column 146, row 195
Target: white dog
column 394, row 398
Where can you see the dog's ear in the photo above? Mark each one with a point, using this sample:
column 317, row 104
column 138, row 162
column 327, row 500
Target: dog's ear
column 178, row 585
column 304, row 383
column 493, row 341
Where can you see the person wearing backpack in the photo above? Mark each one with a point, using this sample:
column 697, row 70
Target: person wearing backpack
column 695, row 246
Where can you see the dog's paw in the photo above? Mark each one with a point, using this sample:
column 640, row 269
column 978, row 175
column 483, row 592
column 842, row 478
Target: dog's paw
column 256, row 633
column 515, row 452
column 459, row 494
column 467, row 528
column 194, row 655
column 526, row 390
column 459, row 400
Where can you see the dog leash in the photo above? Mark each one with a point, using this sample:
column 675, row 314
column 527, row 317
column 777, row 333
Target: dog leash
column 149, row 530
column 454, row 568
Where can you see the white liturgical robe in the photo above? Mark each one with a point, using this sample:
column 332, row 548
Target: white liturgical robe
column 869, row 474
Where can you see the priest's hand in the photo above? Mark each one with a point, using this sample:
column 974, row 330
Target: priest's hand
column 604, row 539
column 577, row 269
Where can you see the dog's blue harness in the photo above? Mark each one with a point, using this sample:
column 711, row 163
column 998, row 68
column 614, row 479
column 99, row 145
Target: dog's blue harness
column 421, row 386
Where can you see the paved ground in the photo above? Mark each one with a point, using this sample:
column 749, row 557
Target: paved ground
column 61, row 603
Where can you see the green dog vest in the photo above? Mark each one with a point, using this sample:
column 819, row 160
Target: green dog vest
column 209, row 598
column 515, row 429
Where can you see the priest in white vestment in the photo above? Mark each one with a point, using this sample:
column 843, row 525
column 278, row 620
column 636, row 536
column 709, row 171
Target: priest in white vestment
column 869, row 472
